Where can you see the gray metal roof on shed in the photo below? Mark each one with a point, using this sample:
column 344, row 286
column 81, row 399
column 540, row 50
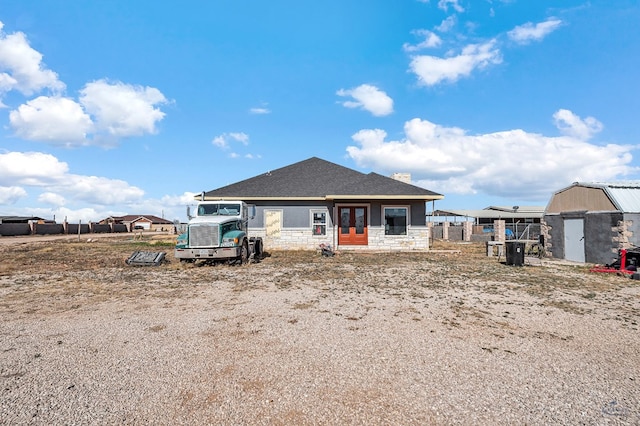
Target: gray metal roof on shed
column 625, row 195
column 19, row 219
column 494, row 212
column 315, row 179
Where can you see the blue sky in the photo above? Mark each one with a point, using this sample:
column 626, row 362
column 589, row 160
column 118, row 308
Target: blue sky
column 131, row 107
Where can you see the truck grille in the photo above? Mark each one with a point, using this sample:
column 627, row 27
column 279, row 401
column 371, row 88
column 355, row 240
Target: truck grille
column 204, row 235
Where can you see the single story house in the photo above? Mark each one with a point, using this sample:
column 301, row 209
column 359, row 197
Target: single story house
column 141, row 222
column 590, row 222
column 315, row 202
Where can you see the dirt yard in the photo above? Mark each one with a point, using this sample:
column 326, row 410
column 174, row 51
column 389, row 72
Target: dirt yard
column 446, row 337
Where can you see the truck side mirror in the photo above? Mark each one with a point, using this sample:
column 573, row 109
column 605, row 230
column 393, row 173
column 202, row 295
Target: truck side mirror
column 189, row 212
column 252, row 211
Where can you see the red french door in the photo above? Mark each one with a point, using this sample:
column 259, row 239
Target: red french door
column 353, row 226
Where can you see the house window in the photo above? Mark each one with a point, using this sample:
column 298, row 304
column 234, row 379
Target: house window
column 319, row 222
column 395, row 220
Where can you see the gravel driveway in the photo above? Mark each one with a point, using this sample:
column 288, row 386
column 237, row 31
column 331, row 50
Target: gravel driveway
column 410, row 339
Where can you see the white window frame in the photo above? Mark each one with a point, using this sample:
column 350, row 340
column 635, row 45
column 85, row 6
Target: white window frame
column 314, row 224
column 407, row 224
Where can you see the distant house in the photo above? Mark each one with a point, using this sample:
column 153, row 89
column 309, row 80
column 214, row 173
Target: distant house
column 590, row 222
column 140, row 222
column 315, row 201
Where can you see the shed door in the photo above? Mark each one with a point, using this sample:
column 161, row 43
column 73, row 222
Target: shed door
column 574, row 239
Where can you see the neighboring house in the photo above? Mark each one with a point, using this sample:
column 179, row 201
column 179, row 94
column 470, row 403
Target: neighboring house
column 590, row 222
column 315, row 201
column 141, row 222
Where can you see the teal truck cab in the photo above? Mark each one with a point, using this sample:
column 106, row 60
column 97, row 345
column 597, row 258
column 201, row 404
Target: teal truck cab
column 219, row 232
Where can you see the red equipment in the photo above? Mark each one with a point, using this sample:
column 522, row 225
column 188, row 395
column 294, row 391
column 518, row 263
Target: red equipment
column 626, row 263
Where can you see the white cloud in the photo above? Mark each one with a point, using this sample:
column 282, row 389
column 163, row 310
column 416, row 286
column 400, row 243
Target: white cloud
column 106, row 110
column 448, row 160
column 21, row 67
column 248, row 156
column 222, row 141
column 11, row 194
column 99, row 190
column 432, row 70
column 430, row 40
column 225, row 140
column 369, row 98
column 118, row 109
column 528, row 32
column 44, row 170
column 447, row 24
column 52, row 119
column 84, row 215
column 31, row 169
column 259, row 111
column 51, row 198
column 121, row 109
column 183, row 199
column 243, row 138
column 572, row 125
column 444, row 5
column 170, row 207
column 61, row 190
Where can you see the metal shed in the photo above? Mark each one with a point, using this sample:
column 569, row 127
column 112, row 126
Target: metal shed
column 591, row 221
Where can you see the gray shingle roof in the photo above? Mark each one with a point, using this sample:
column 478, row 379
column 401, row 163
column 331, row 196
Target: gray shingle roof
column 316, row 178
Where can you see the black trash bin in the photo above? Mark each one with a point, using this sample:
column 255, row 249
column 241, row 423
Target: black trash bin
column 515, row 253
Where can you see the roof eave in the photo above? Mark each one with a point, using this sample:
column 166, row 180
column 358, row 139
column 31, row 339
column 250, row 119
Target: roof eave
column 327, row 197
column 385, row 197
column 228, row 198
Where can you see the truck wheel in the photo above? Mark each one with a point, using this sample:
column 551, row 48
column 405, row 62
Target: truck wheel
column 244, row 254
column 257, row 250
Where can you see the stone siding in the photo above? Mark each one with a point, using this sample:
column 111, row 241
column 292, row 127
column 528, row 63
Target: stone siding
column 291, row 239
column 302, row 239
column 417, row 239
column 623, row 235
column 499, row 230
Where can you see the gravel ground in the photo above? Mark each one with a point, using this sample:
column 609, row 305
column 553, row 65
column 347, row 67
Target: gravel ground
column 409, row 339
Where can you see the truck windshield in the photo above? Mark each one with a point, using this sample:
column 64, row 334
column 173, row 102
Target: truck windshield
column 218, row 210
